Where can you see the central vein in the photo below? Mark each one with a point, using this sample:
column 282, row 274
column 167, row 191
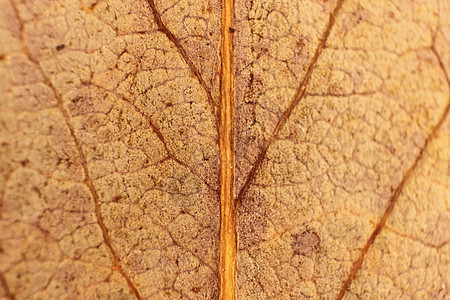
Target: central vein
column 227, row 247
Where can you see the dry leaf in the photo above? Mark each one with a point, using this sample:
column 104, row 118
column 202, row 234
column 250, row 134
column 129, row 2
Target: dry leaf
column 111, row 114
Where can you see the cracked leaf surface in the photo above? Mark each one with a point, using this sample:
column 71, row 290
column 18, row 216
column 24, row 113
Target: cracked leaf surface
column 109, row 153
column 410, row 258
column 117, row 138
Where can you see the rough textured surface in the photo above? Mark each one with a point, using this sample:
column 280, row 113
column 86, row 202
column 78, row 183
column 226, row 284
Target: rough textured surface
column 109, row 157
column 274, row 45
column 411, row 256
column 375, row 95
column 104, row 131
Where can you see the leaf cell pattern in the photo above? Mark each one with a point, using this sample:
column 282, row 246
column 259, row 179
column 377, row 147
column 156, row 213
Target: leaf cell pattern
column 109, row 152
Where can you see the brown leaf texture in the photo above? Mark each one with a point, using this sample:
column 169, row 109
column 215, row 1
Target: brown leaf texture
column 113, row 148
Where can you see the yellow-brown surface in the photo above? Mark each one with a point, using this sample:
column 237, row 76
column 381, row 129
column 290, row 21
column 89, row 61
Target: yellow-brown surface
column 228, row 241
column 212, row 149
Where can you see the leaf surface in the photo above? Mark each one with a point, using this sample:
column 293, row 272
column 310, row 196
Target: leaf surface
column 110, row 172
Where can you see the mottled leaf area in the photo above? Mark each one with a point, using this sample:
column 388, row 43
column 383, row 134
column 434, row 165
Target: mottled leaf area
column 109, row 154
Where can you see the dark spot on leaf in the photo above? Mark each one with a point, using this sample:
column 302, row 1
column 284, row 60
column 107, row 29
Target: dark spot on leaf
column 301, row 43
column 60, row 47
column 232, row 30
column 76, row 100
column 25, row 162
column 2, row 57
column 117, row 198
column 196, row 289
column 306, row 242
column 93, row 5
column 254, row 87
column 208, row 10
column 67, row 274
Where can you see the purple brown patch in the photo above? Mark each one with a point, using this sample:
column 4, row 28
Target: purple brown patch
column 306, row 243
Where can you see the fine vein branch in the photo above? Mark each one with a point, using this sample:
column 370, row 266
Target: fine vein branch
column 299, row 96
column 381, row 224
column 88, row 181
column 183, row 53
column 227, row 247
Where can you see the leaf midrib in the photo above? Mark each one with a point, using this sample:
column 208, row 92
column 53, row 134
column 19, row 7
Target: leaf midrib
column 228, row 239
